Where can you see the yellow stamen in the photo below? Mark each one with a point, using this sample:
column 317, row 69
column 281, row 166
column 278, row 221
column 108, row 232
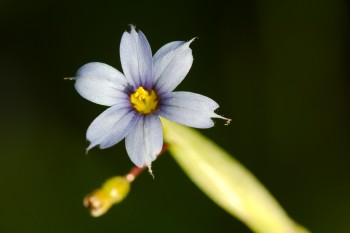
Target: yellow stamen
column 144, row 101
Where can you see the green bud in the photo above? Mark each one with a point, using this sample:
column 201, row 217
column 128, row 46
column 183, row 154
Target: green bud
column 113, row 191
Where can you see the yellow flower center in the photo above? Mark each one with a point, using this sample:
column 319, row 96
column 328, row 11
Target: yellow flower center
column 143, row 101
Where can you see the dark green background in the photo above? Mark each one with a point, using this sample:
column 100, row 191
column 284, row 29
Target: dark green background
column 279, row 69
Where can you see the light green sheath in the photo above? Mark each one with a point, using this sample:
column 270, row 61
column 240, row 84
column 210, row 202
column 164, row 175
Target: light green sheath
column 226, row 181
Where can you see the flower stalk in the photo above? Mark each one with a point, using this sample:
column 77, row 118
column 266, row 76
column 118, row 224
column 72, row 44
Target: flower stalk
column 113, row 190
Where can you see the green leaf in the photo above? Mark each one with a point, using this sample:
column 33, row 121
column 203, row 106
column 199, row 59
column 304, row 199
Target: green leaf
column 226, row 181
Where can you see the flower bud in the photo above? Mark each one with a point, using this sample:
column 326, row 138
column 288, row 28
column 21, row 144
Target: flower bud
column 113, row 191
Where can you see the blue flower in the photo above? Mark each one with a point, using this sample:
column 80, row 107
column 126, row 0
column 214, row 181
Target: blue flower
column 137, row 98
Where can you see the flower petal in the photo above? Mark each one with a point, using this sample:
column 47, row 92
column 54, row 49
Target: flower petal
column 100, row 83
column 189, row 109
column 145, row 140
column 111, row 126
column 160, row 57
column 171, row 64
column 136, row 59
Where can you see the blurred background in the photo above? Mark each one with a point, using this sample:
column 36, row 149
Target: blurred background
column 279, row 69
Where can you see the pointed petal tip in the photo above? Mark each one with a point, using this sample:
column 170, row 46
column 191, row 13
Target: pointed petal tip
column 171, row 64
column 193, row 39
column 90, row 147
column 145, row 162
column 87, row 150
column 131, row 28
column 70, row 78
column 228, row 120
column 150, row 171
column 188, row 43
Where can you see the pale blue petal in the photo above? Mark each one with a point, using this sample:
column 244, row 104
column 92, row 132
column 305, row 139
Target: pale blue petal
column 136, row 59
column 100, row 83
column 189, row 109
column 171, row 64
column 163, row 56
column 145, row 141
column 111, row 126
